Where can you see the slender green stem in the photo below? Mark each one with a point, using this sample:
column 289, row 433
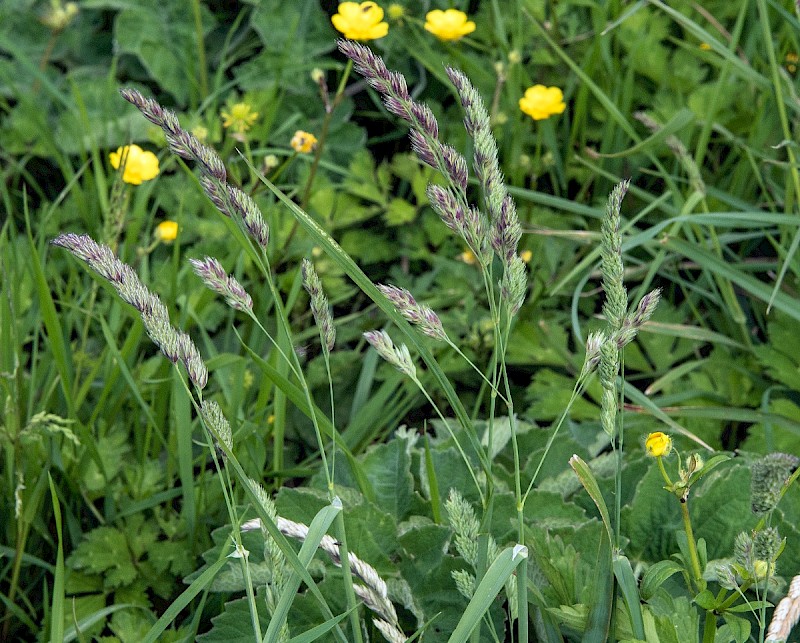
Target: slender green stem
column 321, row 140
column 323, row 135
column 710, row 627
column 350, row 595
column 453, row 436
column 687, row 525
column 664, row 474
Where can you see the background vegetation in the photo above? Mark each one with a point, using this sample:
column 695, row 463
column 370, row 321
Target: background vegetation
column 110, row 502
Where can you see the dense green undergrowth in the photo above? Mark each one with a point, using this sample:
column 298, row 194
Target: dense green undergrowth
column 120, row 506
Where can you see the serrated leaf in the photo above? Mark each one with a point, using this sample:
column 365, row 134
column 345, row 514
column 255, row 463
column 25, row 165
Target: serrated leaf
column 105, row 551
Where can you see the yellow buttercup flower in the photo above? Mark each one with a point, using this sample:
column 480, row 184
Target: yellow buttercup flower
column 303, row 142
column 451, row 24
column 239, row 117
column 360, row 21
column 704, row 46
column 166, row 231
column 542, row 102
column 140, row 165
column 658, row 444
column 526, row 256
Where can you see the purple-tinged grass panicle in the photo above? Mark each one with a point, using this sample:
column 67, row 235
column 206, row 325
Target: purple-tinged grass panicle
column 179, row 140
column 456, row 167
column 416, row 313
column 422, row 148
column 217, row 193
column 214, row 277
column 244, row 206
column 191, row 360
column 499, row 204
column 374, row 592
column 447, row 207
column 624, row 336
column 476, row 234
column 638, row 317
column 400, row 358
column 175, row 345
column 229, row 200
column 506, row 231
column 320, row 308
column 393, row 89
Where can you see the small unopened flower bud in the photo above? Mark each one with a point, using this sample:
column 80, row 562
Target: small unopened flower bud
column 270, row 163
column 693, row 464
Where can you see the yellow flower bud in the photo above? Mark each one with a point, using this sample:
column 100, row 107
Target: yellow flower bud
column 166, row 231
column 396, row 11
column 658, row 444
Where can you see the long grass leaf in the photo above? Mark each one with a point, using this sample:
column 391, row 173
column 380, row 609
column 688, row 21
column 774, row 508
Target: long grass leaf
column 57, row 606
column 316, row 530
column 180, row 603
column 758, row 289
column 589, row 483
column 492, row 582
column 623, row 572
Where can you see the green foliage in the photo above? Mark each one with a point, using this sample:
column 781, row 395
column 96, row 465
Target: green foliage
column 697, row 108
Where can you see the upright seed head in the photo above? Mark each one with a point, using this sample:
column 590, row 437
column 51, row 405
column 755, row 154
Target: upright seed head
column 616, row 304
column 319, row 305
column 216, row 421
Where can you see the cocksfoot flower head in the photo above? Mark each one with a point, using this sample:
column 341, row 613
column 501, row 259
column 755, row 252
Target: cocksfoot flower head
column 540, row 102
column 166, row 231
column 239, row 117
column 451, row 24
column 360, row 21
column 139, row 165
column 658, row 444
column 303, row 142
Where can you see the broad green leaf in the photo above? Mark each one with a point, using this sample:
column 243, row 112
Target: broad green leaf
column 655, row 575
